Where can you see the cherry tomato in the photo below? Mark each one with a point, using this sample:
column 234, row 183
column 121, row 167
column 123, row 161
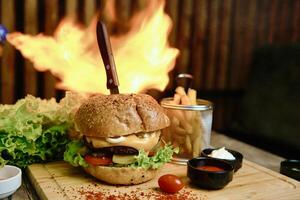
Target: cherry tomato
column 170, row 183
column 98, row 160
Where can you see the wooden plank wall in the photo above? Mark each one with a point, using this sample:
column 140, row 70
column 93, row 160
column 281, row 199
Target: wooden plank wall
column 215, row 37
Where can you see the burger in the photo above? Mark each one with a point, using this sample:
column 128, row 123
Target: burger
column 119, row 138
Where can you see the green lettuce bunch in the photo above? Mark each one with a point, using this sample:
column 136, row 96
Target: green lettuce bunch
column 35, row 130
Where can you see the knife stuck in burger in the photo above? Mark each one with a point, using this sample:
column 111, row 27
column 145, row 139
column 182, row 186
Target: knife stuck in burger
column 119, row 141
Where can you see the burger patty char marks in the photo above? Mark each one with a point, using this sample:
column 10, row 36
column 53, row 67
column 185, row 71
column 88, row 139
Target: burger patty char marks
column 122, row 150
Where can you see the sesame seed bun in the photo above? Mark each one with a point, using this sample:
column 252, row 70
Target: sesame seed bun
column 120, row 114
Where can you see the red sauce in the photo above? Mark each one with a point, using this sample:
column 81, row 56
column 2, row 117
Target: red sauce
column 210, row 168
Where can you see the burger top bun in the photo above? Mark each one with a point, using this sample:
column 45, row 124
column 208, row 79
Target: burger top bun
column 120, row 114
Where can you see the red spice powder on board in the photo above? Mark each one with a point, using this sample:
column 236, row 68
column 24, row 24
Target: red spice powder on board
column 138, row 194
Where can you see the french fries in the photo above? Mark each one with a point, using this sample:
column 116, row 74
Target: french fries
column 186, row 130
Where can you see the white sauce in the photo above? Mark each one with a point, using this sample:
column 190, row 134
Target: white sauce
column 222, row 153
column 115, row 140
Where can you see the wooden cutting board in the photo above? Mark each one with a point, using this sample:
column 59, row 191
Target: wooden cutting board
column 59, row 180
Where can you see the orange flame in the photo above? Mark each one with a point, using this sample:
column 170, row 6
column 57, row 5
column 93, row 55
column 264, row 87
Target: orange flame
column 143, row 56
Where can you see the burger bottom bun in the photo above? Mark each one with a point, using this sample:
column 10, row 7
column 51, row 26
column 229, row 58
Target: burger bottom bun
column 121, row 175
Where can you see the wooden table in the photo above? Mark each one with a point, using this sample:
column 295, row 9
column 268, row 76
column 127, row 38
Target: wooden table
column 250, row 153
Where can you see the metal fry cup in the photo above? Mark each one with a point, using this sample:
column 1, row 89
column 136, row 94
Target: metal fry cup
column 190, row 128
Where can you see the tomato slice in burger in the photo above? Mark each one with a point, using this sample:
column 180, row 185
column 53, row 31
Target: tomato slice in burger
column 98, row 160
column 151, row 153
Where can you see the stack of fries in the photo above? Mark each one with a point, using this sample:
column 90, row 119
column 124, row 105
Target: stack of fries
column 186, row 129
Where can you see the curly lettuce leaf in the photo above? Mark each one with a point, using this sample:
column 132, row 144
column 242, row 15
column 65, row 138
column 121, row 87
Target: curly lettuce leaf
column 73, row 153
column 35, row 130
column 162, row 156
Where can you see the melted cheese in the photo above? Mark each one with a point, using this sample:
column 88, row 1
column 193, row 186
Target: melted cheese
column 147, row 142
